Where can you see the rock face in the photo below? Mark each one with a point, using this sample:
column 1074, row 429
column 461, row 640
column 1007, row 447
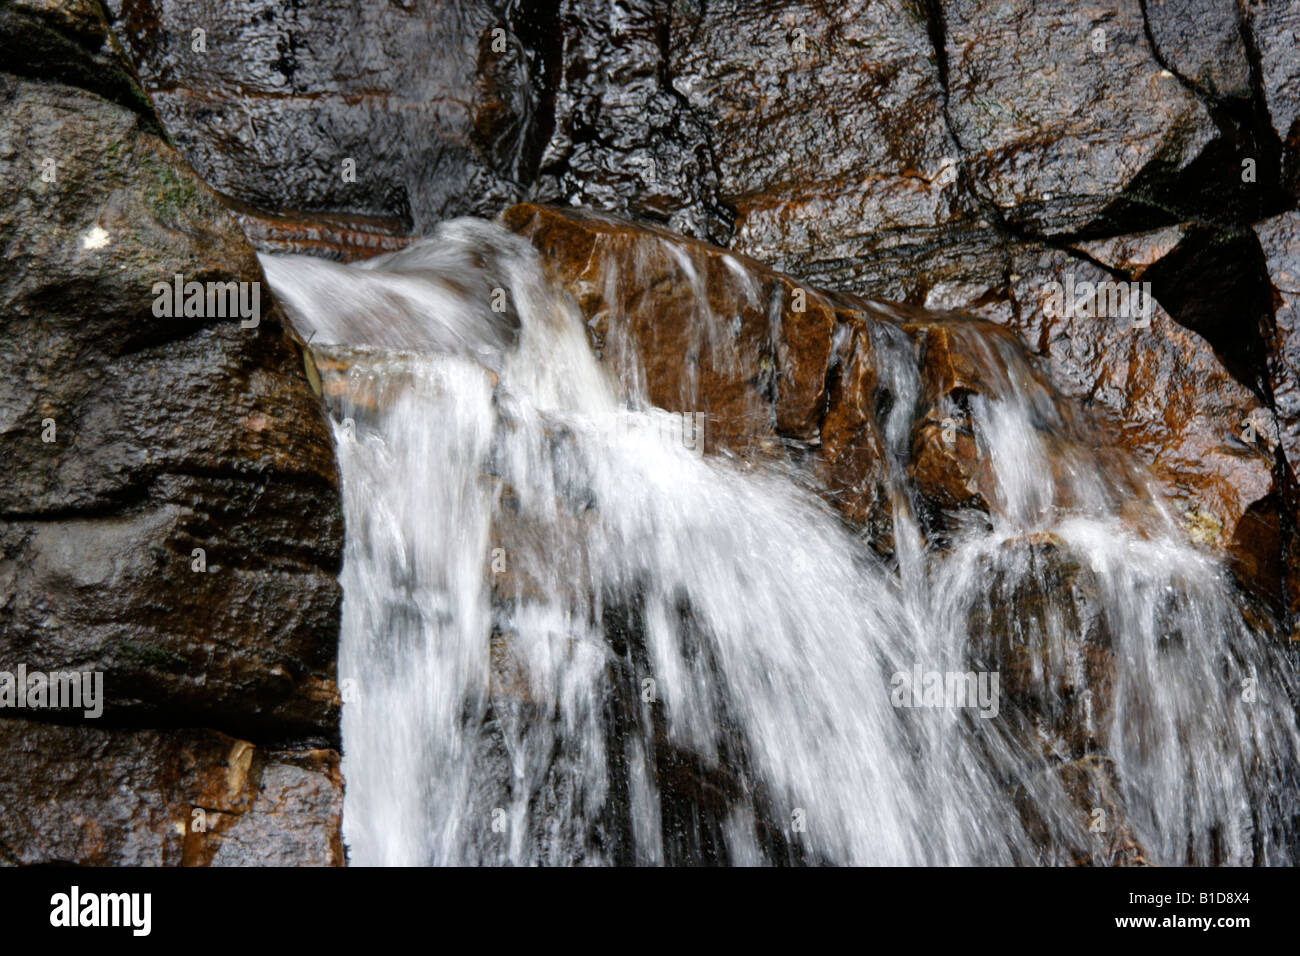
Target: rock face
column 171, row 515
column 812, row 193
column 886, row 149
column 756, row 346
column 1279, row 238
column 1274, row 31
column 1026, row 83
column 102, row 797
column 413, row 112
column 1201, row 42
column 1208, row 439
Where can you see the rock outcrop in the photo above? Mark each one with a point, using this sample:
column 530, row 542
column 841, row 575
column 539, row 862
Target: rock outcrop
column 171, row 512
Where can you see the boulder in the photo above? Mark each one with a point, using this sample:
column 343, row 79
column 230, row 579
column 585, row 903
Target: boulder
column 1208, row 440
column 1201, row 41
column 695, row 328
column 827, row 124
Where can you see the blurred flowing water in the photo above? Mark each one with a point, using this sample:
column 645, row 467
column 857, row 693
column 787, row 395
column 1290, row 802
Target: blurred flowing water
column 569, row 637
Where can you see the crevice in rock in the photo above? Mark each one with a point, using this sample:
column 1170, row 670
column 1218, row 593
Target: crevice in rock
column 719, row 215
column 1160, row 58
column 294, row 735
column 1216, row 283
column 1261, row 124
column 536, row 25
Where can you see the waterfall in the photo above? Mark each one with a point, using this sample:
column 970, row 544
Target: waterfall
column 570, row 637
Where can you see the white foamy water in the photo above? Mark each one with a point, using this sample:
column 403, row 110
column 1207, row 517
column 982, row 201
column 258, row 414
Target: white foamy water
column 569, row 637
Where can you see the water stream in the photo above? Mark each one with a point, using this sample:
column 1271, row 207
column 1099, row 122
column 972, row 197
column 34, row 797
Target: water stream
column 570, row 637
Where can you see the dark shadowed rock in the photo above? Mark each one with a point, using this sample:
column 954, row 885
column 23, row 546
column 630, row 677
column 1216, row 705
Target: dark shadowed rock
column 1279, row 239
column 89, row 796
column 1040, row 625
column 623, row 138
column 132, row 439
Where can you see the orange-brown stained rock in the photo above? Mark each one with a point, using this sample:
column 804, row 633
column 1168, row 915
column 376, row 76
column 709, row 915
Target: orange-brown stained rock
column 700, row 329
column 851, row 461
column 1159, row 394
column 341, row 238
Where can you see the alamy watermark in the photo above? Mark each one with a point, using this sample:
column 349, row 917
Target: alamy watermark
column 208, row 300
column 75, row 909
column 684, row 427
column 949, row 689
column 56, row 690
column 1106, row 299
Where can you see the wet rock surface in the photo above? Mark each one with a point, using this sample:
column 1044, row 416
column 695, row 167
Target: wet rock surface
column 170, row 515
column 340, row 107
column 1061, row 109
column 1201, row 41
column 1208, row 439
column 1280, row 241
column 100, row 797
column 701, row 329
column 1274, row 35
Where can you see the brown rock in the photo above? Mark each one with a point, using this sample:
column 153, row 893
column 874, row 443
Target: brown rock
column 851, row 463
column 698, row 328
column 91, row 796
column 340, row 238
column 1132, row 254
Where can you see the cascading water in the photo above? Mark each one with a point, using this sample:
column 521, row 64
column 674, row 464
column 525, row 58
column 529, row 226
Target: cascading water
column 569, row 637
